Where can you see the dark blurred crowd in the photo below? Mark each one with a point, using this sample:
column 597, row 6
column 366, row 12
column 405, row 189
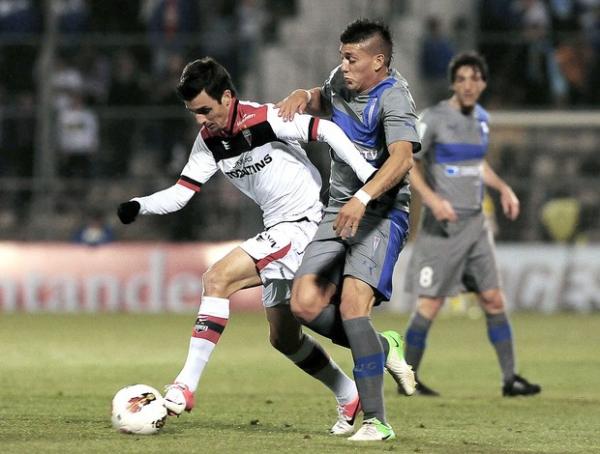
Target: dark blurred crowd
column 546, row 52
column 111, row 57
column 541, row 53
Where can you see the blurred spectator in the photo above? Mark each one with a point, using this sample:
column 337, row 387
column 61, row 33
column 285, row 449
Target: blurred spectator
column 125, row 91
column 168, row 133
column 251, row 18
column 19, row 19
column 436, row 53
column 78, row 138
column 169, row 22
column 73, row 16
column 535, row 56
column 95, row 231
column 574, row 58
column 66, row 79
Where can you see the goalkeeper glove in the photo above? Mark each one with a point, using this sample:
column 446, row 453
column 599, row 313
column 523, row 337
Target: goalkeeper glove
column 128, row 211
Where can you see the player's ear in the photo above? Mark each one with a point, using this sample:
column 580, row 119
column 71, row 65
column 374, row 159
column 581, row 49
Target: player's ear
column 378, row 62
column 226, row 98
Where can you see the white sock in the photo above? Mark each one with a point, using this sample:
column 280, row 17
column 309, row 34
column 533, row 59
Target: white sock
column 212, row 319
column 313, row 360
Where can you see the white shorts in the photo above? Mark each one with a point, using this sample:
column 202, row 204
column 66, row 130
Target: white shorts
column 278, row 253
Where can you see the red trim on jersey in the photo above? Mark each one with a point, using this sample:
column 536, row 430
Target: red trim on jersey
column 249, row 115
column 313, row 136
column 260, row 264
column 246, row 115
column 189, row 185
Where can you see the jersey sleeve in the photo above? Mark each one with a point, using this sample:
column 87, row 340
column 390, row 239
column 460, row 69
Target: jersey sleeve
column 399, row 117
column 307, row 129
column 327, row 91
column 426, row 130
column 199, row 168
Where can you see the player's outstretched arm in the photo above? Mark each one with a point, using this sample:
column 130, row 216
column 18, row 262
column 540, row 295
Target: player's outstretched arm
column 300, row 101
column 442, row 209
column 508, row 199
column 389, row 175
column 162, row 202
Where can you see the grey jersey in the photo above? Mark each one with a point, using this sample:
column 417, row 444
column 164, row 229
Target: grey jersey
column 454, row 146
column 372, row 120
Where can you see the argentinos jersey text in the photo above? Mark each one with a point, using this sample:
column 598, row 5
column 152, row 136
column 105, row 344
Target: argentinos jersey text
column 260, row 155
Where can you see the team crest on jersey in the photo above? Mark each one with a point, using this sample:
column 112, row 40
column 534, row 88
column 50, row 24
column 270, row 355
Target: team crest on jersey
column 248, row 136
column 376, row 242
column 135, row 404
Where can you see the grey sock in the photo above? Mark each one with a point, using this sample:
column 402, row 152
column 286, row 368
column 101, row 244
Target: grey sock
column 416, row 339
column 500, row 335
column 369, row 361
column 329, row 324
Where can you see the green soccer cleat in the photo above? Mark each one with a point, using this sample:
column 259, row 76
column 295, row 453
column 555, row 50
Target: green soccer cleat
column 396, row 365
column 373, row 430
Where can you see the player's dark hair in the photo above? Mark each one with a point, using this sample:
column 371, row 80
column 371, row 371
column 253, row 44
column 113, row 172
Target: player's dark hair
column 472, row 59
column 204, row 74
column 362, row 29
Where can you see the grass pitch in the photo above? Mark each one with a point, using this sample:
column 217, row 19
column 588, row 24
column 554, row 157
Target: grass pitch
column 58, row 375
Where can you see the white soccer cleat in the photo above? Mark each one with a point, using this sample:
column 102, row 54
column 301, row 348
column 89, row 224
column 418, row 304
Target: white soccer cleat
column 346, row 418
column 373, row 430
column 397, row 366
column 178, row 398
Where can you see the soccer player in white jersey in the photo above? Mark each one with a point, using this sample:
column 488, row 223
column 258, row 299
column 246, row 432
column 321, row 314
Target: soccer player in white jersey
column 260, row 155
column 454, row 250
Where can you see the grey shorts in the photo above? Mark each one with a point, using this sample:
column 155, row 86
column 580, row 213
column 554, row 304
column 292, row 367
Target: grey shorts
column 369, row 256
column 451, row 257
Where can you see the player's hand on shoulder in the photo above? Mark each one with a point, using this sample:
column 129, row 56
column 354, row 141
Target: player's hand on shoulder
column 443, row 211
column 128, row 211
column 510, row 203
column 347, row 221
column 295, row 102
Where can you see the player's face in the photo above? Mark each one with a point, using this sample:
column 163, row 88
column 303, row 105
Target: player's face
column 210, row 113
column 359, row 66
column 468, row 86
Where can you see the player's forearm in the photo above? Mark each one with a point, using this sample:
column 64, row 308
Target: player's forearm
column 392, row 171
column 418, row 183
column 314, row 106
column 166, row 201
column 345, row 149
column 491, row 179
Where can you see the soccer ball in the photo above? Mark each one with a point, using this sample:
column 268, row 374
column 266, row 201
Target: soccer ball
column 138, row 409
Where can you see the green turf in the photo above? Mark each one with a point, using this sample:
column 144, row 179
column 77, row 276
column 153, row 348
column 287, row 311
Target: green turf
column 58, row 375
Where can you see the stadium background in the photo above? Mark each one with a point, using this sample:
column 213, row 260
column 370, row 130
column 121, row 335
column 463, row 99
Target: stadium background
column 88, row 119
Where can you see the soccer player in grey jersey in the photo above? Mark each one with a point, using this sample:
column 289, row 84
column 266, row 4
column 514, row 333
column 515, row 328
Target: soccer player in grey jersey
column 454, row 249
column 353, row 253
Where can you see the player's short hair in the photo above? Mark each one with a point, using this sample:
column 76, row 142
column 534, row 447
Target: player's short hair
column 472, row 59
column 204, row 74
column 362, row 29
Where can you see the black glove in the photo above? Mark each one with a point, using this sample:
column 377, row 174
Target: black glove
column 128, row 211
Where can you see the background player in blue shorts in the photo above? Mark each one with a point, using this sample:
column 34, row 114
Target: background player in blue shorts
column 454, row 250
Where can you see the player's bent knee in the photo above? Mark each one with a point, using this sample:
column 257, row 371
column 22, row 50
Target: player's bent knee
column 214, row 283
